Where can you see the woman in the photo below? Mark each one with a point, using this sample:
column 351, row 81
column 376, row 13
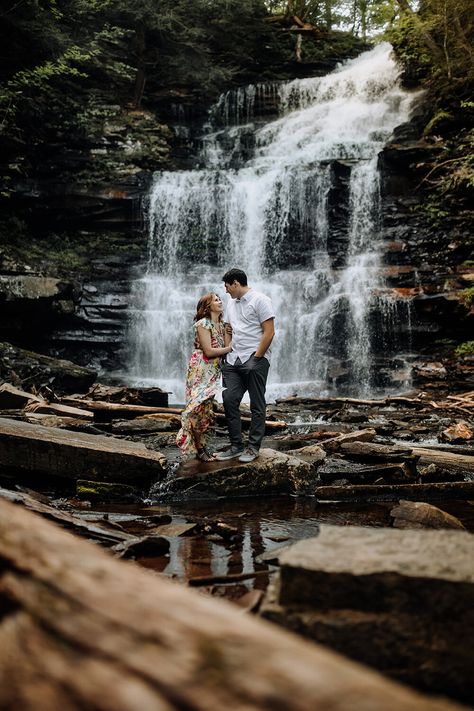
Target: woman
column 202, row 380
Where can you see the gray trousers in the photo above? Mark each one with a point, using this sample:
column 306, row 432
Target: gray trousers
column 237, row 379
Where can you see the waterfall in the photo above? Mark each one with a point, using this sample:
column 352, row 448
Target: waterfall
column 294, row 200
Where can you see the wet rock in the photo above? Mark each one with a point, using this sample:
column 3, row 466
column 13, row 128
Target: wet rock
column 271, row 473
column 312, row 453
column 401, row 601
column 35, row 451
column 457, row 433
column 417, row 514
column 27, row 286
column 145, row 547
column 429, row 371
column 106, row 491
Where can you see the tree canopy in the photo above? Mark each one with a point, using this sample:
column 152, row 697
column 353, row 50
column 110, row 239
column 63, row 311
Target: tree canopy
column 59, row 56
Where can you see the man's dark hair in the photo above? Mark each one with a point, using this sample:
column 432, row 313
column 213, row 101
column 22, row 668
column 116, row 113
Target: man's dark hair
column 235, row 275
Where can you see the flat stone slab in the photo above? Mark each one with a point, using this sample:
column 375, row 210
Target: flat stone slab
column 399, row 600
column 35, row 449
column 368, row 557
column 271, row 473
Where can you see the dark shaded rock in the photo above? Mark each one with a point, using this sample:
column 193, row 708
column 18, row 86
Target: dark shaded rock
column 28, row 369
column 333, row 470
column 401, row 601
column 143, row 547
column 36, row 451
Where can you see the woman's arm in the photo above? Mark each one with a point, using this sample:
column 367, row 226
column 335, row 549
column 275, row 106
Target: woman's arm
column 204, row 336
column 227, row 334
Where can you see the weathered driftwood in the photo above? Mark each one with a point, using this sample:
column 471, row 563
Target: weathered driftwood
column 295, row 400
column 46, row 408
column 113, row 408
column 391, row 492
column 463, row 402
column 82, row 630
column 76, row 455
column 137, row 396
column 103, row 407
column 231, row 578
column 391, row 473
column 334, row 443
column 447, row 460
column 418, row 514
column 368, row 451
column 13, row 398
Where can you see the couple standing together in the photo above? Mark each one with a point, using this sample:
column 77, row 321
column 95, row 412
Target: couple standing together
column 242, row 337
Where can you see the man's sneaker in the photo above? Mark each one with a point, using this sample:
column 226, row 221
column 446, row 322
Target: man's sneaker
column 231, row 453
column 248, row 455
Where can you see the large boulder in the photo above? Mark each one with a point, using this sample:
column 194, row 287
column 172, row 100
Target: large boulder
column 399, row 600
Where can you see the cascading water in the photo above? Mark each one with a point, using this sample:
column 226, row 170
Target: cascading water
column 295, row 202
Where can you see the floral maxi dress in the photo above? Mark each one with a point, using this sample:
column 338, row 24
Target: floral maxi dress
column 202, row 382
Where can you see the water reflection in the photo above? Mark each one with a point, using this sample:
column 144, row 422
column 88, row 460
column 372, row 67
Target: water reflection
column 262, row 527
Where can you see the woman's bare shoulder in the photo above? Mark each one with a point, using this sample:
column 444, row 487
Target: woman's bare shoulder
column 204, row 322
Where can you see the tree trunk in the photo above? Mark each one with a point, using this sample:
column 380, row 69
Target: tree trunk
column 80, row 630
column 140, row 76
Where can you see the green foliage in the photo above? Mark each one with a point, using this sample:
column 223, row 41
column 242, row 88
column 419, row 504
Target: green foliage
column 435, row 120
column 435, row 41
column 438, row 37
column 466, row 297
column 465, row 349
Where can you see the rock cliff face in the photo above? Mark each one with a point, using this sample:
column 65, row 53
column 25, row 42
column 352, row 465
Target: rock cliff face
column 427, row 254
column 77, row 238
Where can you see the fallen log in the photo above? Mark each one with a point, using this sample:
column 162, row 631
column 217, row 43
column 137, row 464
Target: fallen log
column 231, row 578
column 447, row 460
column 34, row 449
column 112, row 408
column 376, row 452
column 296, row 400
column 45, row 408
column 139, row 396
column 82, row 630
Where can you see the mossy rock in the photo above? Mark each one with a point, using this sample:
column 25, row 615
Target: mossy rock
column 106, row 491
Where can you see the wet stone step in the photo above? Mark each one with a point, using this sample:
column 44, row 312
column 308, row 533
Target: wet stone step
column 399, row 600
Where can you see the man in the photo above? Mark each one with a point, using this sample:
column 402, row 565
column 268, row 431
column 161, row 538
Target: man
column 250, row 315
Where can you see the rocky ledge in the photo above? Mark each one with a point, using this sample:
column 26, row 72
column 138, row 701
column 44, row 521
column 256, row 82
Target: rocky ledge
column 271, row 473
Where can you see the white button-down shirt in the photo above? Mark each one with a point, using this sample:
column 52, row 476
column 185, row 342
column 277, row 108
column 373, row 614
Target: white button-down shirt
column 246, row 316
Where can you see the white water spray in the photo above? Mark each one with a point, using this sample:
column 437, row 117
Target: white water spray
column 261, row 201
